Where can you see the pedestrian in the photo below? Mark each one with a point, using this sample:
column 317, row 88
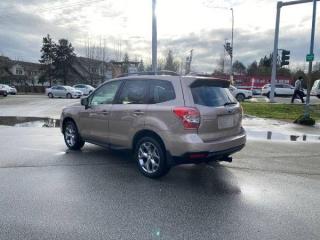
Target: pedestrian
column 298, row 90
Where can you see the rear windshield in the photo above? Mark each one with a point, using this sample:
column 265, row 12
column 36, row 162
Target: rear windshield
column 211, row 96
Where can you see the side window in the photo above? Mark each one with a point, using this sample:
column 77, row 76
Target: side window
column 105, row 94
column 161, row 91
column 60, row 88
column 54, row 87
column 134, row 92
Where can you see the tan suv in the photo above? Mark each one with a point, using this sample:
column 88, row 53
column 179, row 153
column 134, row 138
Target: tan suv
column 165, row 120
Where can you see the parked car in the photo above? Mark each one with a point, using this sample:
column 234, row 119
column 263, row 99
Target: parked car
column 165, row 120
column 63, row 91
column 85, row 89
column 315, row 91
column 3, row 91
column 280, row 90
column 240, row 94
column 9, row 89
column 13, row 90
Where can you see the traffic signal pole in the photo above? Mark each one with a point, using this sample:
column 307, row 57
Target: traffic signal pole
column 307, row 109
column 281, row 4
column 275, row 52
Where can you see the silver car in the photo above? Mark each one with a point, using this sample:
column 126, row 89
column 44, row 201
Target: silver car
column 84, row 88
column 165, row 120
column 63, row 92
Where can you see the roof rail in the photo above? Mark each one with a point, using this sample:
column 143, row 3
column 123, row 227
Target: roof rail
column 162, row 72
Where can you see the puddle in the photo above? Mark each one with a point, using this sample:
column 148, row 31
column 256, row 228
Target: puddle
column 30, row 122
column 276, row 136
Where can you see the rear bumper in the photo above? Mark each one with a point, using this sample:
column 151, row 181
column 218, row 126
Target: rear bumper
column 188, row 158
column 193, row 150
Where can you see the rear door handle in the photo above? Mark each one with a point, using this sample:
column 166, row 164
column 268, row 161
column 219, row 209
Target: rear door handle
column 105, row 112
column 138, row 113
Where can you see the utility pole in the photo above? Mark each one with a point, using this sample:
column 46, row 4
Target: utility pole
column 154, row 37
column 231, row 55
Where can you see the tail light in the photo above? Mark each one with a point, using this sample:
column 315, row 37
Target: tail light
column 190, row 117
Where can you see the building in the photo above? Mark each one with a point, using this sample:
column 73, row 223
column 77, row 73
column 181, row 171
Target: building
column 14, row 72
column 82, row 70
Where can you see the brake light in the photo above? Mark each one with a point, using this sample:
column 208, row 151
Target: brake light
column 190, row 117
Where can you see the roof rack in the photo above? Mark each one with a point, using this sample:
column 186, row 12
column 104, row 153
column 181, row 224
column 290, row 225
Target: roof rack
column 162, row 72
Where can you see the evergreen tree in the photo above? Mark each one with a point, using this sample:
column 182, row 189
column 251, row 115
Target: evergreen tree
column 238, row 67
column 141, row 66
column 125, row 65
column 47, row 57
column 64, row 54
column 253, row 68
column 170, row 64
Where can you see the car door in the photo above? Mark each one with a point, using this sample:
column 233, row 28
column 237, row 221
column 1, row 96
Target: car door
column 60, row 91
column 279, row 89
column 94, row 120
column 54, row 90
column 128, row 112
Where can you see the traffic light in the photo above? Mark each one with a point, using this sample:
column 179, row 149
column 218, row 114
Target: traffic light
column 228, row 48
column 285, row 57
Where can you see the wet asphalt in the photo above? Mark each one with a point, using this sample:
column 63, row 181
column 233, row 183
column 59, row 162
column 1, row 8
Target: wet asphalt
column 270, row 191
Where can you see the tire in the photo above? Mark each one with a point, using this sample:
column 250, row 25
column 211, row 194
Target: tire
column 150, row 157
column 72, row 137
column 240, row 97
column 268, row 95
column 5, row 94
column 50, row 95
column 69, row 96
column 318, row 96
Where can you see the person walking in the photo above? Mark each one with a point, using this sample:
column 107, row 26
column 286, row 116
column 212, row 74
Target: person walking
column 298, row 90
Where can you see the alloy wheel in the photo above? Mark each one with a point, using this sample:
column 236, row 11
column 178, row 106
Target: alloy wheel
column 149, row 157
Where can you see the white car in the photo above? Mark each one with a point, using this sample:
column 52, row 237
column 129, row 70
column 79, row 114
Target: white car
column 280, row 90
column 63, row 91
column 240, row 94
column 315, row 91
column 84, row 88
column 10, row 90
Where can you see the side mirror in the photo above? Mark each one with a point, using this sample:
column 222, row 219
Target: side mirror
column 85, row 102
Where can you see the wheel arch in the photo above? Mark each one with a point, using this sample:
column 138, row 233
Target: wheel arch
column 145, row 133
column 65, row 120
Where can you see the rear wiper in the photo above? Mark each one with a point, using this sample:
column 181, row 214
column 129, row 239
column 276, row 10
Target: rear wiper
column 229, row 103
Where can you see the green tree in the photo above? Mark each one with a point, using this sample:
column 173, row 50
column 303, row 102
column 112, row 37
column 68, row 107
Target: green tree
column 63, row 58
column 253, row 68
column 46, row 59
column 141, row 66
column 170, row 63
column 238, row 67
column 125, row 65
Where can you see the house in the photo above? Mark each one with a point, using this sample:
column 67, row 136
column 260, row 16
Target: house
column 82, row 70
column 14, row 72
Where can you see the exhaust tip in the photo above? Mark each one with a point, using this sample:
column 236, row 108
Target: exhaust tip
column 226, row 159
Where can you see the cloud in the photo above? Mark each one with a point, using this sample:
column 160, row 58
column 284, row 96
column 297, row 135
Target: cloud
column 23, row 25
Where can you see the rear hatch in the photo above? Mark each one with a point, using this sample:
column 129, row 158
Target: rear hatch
column 220, row 112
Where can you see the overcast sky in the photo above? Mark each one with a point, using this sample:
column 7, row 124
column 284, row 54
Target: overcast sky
column 202, row 25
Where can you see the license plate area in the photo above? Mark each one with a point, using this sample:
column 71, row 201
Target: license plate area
column 226, row 121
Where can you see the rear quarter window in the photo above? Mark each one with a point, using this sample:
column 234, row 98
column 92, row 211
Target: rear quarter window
column 161, row 91
column 211, row 95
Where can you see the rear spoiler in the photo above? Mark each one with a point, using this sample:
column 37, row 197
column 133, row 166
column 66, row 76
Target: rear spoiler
column 212, row 82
